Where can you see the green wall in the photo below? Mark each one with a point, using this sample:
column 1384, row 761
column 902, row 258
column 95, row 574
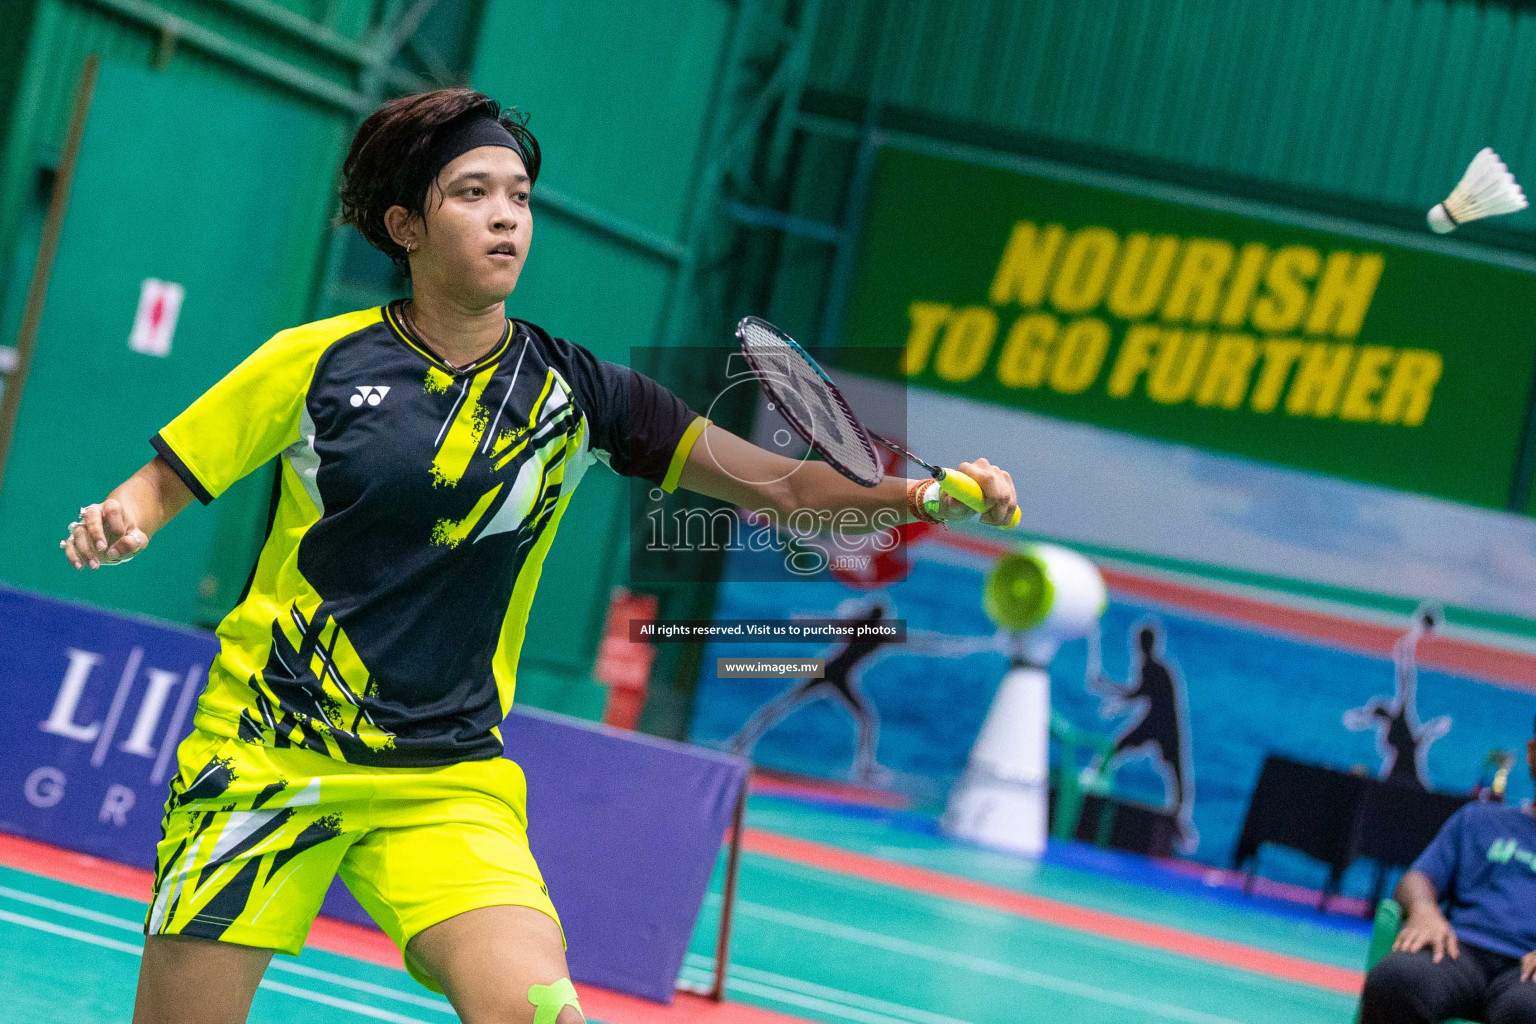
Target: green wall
column 137, row 212
column 143, row 205
column 621, row 95
column 1381, row 102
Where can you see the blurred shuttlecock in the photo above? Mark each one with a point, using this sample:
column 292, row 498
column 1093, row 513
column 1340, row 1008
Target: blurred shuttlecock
column 1486, row 190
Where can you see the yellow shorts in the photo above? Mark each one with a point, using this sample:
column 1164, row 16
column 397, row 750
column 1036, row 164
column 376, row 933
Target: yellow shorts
column 253, row 836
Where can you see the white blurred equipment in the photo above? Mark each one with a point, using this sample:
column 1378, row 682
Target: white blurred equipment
column 1044, row 596
column 1486, row 190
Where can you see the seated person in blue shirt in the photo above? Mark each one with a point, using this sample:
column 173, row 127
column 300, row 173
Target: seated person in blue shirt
column 1477, row 959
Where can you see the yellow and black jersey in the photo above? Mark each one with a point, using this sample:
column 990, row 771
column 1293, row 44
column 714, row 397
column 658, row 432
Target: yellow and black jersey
column 412, row 511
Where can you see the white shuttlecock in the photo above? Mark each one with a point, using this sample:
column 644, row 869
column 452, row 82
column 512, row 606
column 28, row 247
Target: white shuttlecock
column 1486, row 190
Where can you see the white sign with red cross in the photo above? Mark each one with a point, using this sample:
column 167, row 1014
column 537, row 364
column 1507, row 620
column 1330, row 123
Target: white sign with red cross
column 159, row 305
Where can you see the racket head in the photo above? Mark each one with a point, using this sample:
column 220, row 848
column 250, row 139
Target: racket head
column 808, row 400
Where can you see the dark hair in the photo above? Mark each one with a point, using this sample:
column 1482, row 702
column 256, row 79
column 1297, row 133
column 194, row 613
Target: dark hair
column 389, row 162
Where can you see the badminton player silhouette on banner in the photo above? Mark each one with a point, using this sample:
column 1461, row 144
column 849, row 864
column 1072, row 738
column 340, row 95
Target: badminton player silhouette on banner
column 1161, row 731
column 841, row 683
column 1401, row 738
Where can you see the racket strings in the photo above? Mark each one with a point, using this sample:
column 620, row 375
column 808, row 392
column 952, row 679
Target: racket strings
column 808, row 401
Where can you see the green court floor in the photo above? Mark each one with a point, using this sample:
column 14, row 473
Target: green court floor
column 69, row 954
column 1304, row 934
column 808, row 943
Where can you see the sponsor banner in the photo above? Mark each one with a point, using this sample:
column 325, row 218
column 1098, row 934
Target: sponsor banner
column 1389, row 364
column 97, row 703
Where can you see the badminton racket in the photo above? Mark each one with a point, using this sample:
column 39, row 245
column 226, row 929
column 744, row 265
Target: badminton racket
column 811, row 403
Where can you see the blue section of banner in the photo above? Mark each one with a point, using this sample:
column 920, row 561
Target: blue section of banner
column 95, row 705
column 626, row 828
column 1246, row 692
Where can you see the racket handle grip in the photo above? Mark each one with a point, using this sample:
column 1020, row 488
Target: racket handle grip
column 968, row 492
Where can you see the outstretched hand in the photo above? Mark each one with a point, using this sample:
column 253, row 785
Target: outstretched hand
column 1528, row 967
column 104, row 534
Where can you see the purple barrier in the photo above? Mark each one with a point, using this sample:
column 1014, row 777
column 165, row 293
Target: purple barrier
column 95, row 705
column 626, row 828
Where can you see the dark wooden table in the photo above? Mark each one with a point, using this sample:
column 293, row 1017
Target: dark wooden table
column 1339, row 817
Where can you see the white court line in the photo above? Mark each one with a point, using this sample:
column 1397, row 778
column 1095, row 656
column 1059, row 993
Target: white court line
column 807, row 1002
column 361, row 1009
column 764, row 984
column 966, row 913
column 1023, row 976
column 304, row 970
column 71, row 933
column 756, row 979
column 73, row 910
column 751, row 981
column 439, row 1003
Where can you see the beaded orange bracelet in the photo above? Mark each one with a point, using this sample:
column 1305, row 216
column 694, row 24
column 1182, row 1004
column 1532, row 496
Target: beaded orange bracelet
column 915, row 506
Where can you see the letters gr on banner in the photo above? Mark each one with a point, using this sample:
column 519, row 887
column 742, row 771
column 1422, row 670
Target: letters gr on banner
column 98, row 704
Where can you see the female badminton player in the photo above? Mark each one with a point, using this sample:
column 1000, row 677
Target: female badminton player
column 428, row 450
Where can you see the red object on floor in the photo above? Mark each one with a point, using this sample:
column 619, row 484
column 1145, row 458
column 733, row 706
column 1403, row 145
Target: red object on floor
column 617, row 1008
column 1352, row 906
column 767, row 782
column 1054, row 912
column 366, row 944
column 76, row 868
column 885, row 560
column 624, row 664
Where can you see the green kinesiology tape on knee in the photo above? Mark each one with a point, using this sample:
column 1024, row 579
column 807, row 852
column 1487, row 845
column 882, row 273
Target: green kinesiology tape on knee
column 549, row 1000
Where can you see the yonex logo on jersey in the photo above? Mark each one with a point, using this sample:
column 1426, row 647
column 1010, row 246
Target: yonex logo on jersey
column 371, row 395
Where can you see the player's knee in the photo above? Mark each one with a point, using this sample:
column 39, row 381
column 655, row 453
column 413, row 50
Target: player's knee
column 556, row 1002
column 518, row 1011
